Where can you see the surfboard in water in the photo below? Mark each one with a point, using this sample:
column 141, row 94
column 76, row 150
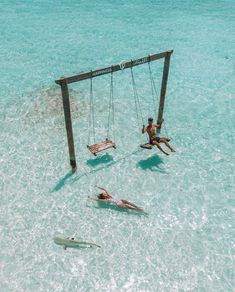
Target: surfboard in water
column 72, row 243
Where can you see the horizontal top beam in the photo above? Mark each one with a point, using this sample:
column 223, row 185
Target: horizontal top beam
column 123, row 65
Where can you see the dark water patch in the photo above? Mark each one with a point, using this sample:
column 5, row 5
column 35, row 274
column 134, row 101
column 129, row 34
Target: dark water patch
column 43, row 104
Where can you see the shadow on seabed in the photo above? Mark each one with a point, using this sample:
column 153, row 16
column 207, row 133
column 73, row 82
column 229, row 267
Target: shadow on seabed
column 106, row 158
column 106, row 205
column 152, row 163
column 105, row 161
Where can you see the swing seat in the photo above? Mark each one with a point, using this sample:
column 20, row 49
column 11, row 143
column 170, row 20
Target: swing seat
column 149, row 146
column 146, row 146
column 96, row 148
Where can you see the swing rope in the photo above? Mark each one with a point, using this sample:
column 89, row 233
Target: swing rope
column 137, row 101
column 155, row 94
column 111, row 116
column 153, row 90
column 103, row 145
column 91, row 121
column 111, row 108
column 165, row 130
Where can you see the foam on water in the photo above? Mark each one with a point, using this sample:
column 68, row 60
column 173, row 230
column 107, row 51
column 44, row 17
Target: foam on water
column 187, row 240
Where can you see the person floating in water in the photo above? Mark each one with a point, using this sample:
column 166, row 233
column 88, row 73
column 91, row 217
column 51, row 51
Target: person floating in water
column 105, row 196
column 151, row 129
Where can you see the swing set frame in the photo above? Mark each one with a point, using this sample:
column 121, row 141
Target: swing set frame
column 64, row 81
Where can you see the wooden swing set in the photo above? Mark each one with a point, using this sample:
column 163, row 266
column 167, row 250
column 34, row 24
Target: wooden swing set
column 108, row 143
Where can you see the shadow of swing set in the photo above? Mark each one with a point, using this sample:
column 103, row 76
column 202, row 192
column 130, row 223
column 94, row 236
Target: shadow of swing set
column 96, row 148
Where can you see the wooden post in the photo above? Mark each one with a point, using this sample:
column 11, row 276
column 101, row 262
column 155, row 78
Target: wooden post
column 68, row 122
column 163, row 87
column 64, row 81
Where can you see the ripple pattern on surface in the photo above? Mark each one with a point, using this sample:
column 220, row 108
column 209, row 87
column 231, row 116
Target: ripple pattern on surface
column 186, row 243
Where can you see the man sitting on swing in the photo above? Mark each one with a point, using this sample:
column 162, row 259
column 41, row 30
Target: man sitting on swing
column 151, row 129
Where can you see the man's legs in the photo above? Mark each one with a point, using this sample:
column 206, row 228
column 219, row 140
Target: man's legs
column 159, row 147
column 165, row 141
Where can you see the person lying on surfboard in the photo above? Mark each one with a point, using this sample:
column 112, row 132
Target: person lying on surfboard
column 105, row 196
column 151, row 129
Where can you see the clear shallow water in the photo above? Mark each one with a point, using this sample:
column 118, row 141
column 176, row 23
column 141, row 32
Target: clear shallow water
column 187, row 241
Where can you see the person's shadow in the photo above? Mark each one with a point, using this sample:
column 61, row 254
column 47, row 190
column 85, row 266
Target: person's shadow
column 106, row 158
column 108, row 206
column 61, row 183
column 152, row 163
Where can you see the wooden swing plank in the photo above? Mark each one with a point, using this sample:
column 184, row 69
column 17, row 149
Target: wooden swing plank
column 146, row 146
column 98, row 147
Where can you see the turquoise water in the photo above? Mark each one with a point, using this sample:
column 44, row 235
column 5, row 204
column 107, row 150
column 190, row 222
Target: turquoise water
column 187, row 241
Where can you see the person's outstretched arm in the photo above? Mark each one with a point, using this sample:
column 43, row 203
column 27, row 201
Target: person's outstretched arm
column 95, row 199
column 103, row 189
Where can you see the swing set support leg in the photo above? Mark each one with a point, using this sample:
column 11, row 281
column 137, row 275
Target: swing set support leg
column 163, row 87
column 68, row 123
